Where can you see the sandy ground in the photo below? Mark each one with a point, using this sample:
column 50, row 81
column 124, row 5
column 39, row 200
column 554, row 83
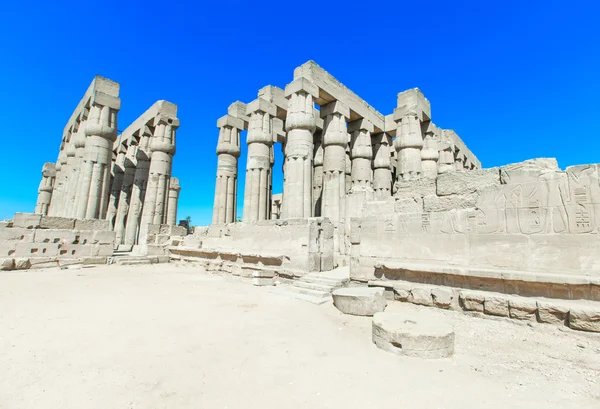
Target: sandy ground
column 172, row 336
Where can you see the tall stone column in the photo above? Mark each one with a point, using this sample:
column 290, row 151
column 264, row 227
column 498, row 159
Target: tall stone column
column 382, row 173
column 361, row 154
column 300, row 125
column 348, row 167
column 101, row 132
column 56, row 205
column 174, row 189
column 258, row 166
column 45, row 189
column 74, row 185
column 162, row 147
column 228, row 152
column 335, row 143
column 138, row 191
column 125, row 193
column 117, row 175
column 408, row 144
column 430, row 156
column 68, row 172
column 318, row 174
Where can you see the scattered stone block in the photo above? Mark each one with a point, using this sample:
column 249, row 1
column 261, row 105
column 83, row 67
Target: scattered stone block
column 421, row 296
column 522, row 309
column 419, row 336
column 7, row 264
column 584, row 319
column 552, row 314
column 263, row 278
column 364, row 301
column 442, row 298
column 472, row 301
column 22, row 263
column 495, row 306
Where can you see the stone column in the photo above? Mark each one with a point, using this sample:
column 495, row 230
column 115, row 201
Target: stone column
column 162, row 147
column 45, row 189
column 348, row 170
column 382, row 173
column 67, row 171
column 429, row 156
column 318, row 174
column 276, row 206
column 125, row 193
column 101, row 132
column 300, row 125
column 459, row 161
column 115, row 188
column 408, row 144
column 258, row 166
column 446, row 158
column 174, row 189
column 228, row 151
column 74, row 185
column 335, row 143
column 361, row 154
column 56, row 205
column 138, row 191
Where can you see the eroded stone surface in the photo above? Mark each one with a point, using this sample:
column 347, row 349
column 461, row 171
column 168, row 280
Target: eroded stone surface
column 364, row 301
column 418, row 336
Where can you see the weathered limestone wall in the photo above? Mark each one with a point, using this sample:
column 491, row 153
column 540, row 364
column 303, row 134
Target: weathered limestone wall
column 35, row 240
column 307, row 244
column 529, row 217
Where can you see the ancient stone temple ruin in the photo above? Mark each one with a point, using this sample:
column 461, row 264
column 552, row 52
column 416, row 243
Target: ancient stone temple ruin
column 107, row 190
column 399, row 202
column 391, row 201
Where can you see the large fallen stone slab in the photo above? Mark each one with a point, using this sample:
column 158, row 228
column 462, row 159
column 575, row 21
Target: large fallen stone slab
column 364, row 301
column 418, row 336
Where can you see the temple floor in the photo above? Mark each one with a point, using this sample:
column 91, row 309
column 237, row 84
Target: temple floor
column 173, row 336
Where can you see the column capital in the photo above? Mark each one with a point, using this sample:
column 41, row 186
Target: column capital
column 228, row 120
column 335, row 107
column 261, row 105
column 301, row 85
column 360, row 125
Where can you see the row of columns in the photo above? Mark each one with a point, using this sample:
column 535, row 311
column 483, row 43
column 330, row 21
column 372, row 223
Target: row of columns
column 322, row 166
column 131, row 191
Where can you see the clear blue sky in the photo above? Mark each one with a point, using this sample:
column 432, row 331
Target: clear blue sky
column 515, row 79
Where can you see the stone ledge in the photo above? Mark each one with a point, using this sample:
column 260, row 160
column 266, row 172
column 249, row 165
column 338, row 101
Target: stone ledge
column 578, row 315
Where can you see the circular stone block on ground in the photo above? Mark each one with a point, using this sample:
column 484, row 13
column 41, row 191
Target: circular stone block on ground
column 421, row 336
column 359, row 300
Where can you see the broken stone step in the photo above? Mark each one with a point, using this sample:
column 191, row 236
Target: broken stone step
column 292, row 293
column 311, row 292
column 321, row 280
column 315, row 286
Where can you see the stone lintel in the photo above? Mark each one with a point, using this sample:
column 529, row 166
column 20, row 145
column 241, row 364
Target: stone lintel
column 390, row 125
column 337, row 107
column 360, row 125
column 276, row 96
column 457, row 144
column 229, row 120
column 330, row 89
column 278, row 130
column 261, row 105
column 301, row 84
column 238, row 110
column 412, row 101
column 104, row 99
column 98, row 84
